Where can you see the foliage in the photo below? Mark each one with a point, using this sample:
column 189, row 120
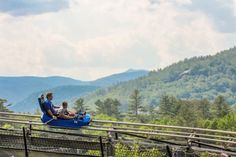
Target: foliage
column 105, row 117
column 93, row 153
column 109, row 107
column 220, row 107
column 135, row 104
column 134, row 151
column 7, row 126
column 206, row 154
column 2, row 106
column 192, row 113
column 79, row 105
column 195, row 78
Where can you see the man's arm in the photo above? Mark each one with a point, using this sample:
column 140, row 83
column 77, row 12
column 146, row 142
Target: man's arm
column 51, row 114
column 57, row 107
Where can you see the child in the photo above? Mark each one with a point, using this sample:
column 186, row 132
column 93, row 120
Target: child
column 65, row 114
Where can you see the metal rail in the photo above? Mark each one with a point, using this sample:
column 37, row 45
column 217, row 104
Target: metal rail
column 159, row 134
column 130, row 131
column 166, row 126
column 20, row 122
column 177, row 134
column 19, row 114
column 168, row 131
column 137, row 124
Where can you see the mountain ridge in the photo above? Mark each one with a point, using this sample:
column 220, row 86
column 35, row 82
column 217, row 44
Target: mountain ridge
column 20, row 87
column 193, row 78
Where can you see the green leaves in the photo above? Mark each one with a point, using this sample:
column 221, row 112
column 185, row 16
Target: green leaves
column 109, row 107
column 122, row 150
column 2, row 107
column 194, row 78
column 220, row 108
column 135, row 103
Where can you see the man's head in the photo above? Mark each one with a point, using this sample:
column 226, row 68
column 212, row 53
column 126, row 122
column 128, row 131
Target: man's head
column 49, row 95
column 64, row 104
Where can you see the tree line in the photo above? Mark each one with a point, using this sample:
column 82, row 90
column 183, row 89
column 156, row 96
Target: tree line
column 217, row 114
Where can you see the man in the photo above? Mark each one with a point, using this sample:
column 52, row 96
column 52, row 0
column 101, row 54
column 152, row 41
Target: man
column 50, row 109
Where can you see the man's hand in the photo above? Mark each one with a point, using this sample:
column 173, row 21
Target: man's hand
column 54, row 117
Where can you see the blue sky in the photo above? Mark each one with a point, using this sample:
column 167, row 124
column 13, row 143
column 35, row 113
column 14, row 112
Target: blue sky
column 87, row 39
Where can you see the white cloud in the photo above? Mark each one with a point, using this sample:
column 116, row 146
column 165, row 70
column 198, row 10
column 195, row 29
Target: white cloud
column 234, row 7
column 99, row 37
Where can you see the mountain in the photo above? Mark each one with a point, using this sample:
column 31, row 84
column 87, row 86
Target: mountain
column 62, row 93
column 15, row 89
column 22, row 92
column 194, row 78
column 120, row 77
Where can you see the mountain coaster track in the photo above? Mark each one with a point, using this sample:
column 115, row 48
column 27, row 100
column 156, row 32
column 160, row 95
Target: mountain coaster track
column 198, row 139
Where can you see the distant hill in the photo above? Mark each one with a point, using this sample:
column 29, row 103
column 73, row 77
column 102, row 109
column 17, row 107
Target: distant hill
column 15, row 89
column 22, row 91
column 194, row 78
column 62, row 93
column 120, row 77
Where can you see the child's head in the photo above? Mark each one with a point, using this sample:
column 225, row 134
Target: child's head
column 64, row 104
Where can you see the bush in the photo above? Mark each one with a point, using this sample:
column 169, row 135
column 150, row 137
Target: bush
column 134, row 151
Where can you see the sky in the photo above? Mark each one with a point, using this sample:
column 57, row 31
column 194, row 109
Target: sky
column 88, row 39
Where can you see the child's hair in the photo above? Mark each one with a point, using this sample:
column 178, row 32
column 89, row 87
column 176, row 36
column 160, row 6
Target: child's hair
column 64, row 104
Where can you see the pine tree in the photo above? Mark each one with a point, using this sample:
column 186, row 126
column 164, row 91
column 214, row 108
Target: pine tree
column 220, row 108
column 168, row 105
column 115, row 108
column 109, row 107
column 135, row 103
column 187, row 115
column 79, row 105
column 204, row 109
column 99, row 106
column 2, row 107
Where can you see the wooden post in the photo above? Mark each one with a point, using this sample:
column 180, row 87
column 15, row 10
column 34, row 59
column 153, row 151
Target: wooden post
column 25, row 143
column 168, row 151
column 116, row 136
column 101, row 145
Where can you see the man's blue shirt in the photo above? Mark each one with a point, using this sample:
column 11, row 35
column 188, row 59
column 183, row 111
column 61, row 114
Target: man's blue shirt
column 49, row 106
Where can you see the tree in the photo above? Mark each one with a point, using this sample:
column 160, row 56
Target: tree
column 99, row 106
column 79, row 105
column 186, row 114
column 220, row 108
column 2, row 106
column 115, row 108
column 135, row 103
column 109, row 107
column 204, row 109
column 151, row 109
column 168, row 105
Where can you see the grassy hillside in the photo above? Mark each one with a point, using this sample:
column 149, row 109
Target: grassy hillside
column 194, row 78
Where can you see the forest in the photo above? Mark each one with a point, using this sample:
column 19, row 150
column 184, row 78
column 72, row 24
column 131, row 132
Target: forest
column 204, row 77
column 171, row 111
